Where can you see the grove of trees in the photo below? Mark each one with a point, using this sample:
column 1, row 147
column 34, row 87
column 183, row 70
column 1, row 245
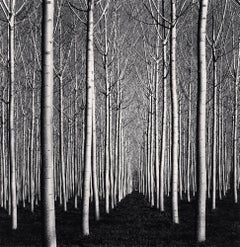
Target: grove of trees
column 100, row 98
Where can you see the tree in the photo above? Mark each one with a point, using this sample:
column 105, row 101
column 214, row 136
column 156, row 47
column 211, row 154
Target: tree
column 201, row 124
column 10, row 13
column 164, row 109
column 47, row 186
column 11, row 115
column 88, row 118
column 235, row 127
column 174, row 98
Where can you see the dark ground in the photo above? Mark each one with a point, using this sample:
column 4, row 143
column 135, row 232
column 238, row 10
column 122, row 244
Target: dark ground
column 132, row 223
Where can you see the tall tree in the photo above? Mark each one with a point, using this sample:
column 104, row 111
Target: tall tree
column 10, row 13
column 47, row 185
column 164, row 109
column 174, row 97
column 235, row 126
column 201, row 124
column 11, row 114
column 88, row 118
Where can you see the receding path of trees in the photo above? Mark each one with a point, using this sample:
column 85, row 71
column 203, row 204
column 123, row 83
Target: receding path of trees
column 132, row 223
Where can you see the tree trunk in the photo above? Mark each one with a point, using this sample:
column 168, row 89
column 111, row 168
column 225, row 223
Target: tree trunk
column 88, row 120
column 94, row 161
column 180, row 150
column 175, row 134
column 214, row 131
column 189, row 142
column 12, row 137
column 156, row 111
column 235, row 124
column 61, row 142
column 76, row 154
column 47, row 186
column 107, row 118
column 31, row 162
column 201, row 124
column 164, row 113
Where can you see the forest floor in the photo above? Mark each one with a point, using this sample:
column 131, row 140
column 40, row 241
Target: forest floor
column 132, row 223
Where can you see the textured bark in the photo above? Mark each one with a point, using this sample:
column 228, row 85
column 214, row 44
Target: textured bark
column 164, row 113
column 157, row 131
column 94, row 161
column 88, row 120
column 107, row 120
column 235, row 126
column 61, row 141
column 201, row 124
column 189, row 142
column 180, row 151
column 214, row 131
column 12, row 136
column 152, row 149
column 32, row 162
column 76, row 154
column 175, row 130
column 47, row 186
column 4, row 181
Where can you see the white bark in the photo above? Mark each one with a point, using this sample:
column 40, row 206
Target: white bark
column 214, row 132
column 164, row 114
column 235, row 126
column 88, row 120
column 175, row 134
column 94, row 161
column 47, row 188
column 12, row 137
column 201, row 124
column 107, row 122
column 61, row 141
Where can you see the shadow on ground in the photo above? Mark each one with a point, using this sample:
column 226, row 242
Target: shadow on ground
column 132, row 223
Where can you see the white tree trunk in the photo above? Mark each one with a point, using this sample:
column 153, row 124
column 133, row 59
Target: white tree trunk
column 94, row 161
column 201, row 124
column 107, row 121
column 12, row 137
column 235, row 126
column 164, row 114
column 175, row 134
column 61, row 141
column 214, row 131
column 157, row 113
column 88, row 120
column 189, row 141
column 47, row 187
column 31, row 163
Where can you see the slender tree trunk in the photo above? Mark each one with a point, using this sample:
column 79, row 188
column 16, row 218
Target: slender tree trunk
column 235, row 126
column 12, row 137
column 76, row 154
column 111, row 163
column 180, row 150
column 61, row 142
column 107, row 127
column 4, row 157
column 47, row 186
column 189, row 142
column 220, row 145
column 157, row 113
column 201, row 124
column 31, row 163
column 152, row 149
column 94, row 161
column 164, row 115
column 175, row 135
column 88, row 119
column 214, row 131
